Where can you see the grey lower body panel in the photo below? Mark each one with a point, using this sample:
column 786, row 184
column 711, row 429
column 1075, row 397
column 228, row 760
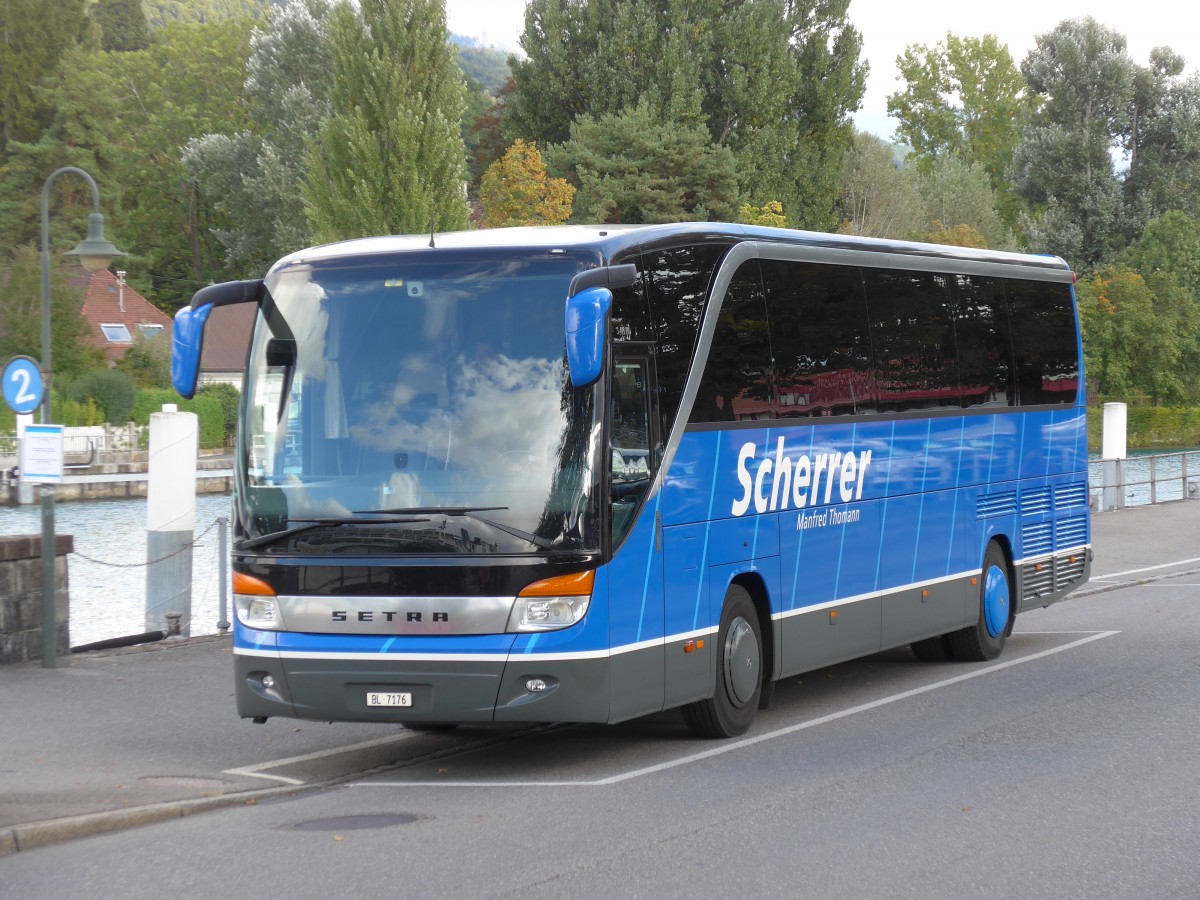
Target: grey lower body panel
column 335, row 690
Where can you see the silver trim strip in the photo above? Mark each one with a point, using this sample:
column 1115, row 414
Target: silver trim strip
column 324, row 614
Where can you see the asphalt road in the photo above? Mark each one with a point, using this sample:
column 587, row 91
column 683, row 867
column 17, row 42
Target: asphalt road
column 1068, row 768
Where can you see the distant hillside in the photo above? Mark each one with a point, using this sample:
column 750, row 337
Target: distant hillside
column 487, row 65
column 160, row 12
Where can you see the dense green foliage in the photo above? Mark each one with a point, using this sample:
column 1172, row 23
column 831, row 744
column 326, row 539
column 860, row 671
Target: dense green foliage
column 1151, row 428
column 224, row 134
column 227, row 395
column 20, row 314
column 111, row 390
column 772, row 82
column 208, row 409
column 390, row 157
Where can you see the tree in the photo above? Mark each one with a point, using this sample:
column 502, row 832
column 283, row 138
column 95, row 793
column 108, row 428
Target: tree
column 390, row 159
column 1129, row 348
column 148, row 362
column 1170, row 245
column 959, row 195
column 965, row 98
column 34, row 34
column 878, row 195
column 773, row 81
column 633, row 169
column 1162, row 140
column 110, row 389
column 122, row 24
column 516, row 191
column 1084, row 81
column 20, row 315
column 253, row 177
column 769, row 215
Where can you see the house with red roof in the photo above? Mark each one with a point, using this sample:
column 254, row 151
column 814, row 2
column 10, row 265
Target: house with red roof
column 116, row 313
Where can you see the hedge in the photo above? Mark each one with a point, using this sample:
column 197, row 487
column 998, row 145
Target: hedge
column 212, row 418
column 1151, row 428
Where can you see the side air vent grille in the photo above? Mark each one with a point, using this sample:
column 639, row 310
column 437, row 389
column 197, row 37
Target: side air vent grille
column 1036, row 539
column 993, row 505
column 1036, row 502
column 1070, row 533
column 1069, row 495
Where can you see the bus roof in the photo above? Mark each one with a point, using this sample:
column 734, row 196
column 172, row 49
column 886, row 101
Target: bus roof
column 611, row 239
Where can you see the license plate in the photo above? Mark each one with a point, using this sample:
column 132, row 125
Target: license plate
column 384, row 698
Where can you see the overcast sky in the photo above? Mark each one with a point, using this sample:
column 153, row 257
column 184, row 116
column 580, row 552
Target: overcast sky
column 888, row 26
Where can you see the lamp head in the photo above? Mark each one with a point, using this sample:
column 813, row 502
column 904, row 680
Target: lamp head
column 96, row 252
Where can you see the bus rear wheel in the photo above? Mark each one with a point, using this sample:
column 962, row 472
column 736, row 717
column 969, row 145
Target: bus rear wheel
column 739, row 672
column 985, row 639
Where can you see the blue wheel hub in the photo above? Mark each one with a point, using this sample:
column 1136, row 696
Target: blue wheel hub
column 995, row 600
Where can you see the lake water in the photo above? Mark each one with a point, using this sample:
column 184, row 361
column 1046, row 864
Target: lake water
column 110, row 601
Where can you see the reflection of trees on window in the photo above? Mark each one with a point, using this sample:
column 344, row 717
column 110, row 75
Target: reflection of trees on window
column 679, row 279
column 631, row 319
column 820, row 339
column 1043, row 324
column 736, row 384
column 912, row 332
column 984, row 343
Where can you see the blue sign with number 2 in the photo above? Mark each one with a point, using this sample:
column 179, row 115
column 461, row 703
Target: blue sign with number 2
column 22, row 384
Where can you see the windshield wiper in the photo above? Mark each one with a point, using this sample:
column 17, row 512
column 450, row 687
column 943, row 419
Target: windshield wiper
column 311, row 524
column 469, row 512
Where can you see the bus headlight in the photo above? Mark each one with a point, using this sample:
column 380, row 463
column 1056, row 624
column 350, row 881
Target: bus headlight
column 258, row 612
column 255, row 604
column 552, row 603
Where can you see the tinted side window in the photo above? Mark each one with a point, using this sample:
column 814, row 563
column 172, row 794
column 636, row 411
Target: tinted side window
column 984, row 342
column 678, row 283
column 820, row 338
column 912, row 333
column 736, row 384
column 630, row 310
column 1045, row 355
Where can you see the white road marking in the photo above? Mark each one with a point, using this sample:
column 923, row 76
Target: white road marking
column 1115, row 575
column 256, row 771
column 770, row 735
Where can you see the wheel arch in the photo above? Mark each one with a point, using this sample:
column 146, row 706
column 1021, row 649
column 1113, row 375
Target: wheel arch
column 753, row 583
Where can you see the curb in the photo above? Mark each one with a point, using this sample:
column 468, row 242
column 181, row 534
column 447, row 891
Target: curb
column 16, row 838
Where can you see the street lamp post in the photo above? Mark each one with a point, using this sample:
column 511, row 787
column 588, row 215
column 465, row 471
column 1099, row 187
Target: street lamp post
column 94, row 254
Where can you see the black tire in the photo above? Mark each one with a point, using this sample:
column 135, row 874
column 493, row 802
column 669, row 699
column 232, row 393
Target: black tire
column 985, row 639
column 739, row 672
column 934, row 649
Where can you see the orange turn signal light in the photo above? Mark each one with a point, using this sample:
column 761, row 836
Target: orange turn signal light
column 248, row 584
column 577, row 584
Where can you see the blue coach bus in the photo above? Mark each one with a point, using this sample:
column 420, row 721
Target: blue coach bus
column 584, row 474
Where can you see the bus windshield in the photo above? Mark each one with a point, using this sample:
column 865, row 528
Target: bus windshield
column 418, row 404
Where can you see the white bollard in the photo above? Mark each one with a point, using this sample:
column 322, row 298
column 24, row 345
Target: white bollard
column 1113, row 450
column 171, row 517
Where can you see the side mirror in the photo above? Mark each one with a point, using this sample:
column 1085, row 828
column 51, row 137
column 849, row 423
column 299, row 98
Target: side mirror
column 187, row 343
column 586, row 323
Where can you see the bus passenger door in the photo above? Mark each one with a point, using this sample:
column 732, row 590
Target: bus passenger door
column 636, row 592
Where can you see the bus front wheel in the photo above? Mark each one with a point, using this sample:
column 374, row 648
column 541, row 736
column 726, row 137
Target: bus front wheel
column 739, row 672
column 985, row 639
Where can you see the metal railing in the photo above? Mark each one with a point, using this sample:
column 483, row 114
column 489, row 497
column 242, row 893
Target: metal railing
column 1144, row 479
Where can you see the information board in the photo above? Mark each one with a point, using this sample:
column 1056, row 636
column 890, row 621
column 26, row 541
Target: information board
column 42, row 454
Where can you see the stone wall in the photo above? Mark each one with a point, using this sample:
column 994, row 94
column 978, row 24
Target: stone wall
column 21, row 597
